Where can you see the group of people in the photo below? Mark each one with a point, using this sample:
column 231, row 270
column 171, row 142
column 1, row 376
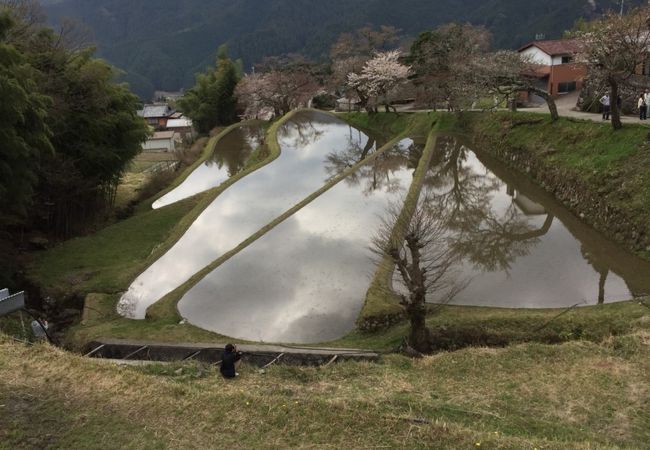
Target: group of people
column 643, row 104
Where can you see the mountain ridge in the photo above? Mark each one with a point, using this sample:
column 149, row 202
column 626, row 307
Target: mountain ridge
column 163, row 47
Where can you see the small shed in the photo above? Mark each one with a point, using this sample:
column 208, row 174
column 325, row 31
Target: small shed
column 161, row 141
column 182, row 126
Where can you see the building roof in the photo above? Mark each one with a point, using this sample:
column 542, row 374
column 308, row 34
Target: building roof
column 557, row 47
column 162, row 135
column 152, row 111
column 183, row 122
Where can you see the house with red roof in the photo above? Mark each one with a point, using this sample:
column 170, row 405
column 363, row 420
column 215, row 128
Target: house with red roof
column 559, row 72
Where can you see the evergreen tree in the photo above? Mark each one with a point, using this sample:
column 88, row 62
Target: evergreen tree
column 57, row 97
column 212, row 101
column 95, row 133
column 23, row 132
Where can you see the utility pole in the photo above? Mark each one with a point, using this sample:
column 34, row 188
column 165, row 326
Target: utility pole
column 623, row 3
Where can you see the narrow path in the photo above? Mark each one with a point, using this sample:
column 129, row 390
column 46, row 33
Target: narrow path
column 566, row 108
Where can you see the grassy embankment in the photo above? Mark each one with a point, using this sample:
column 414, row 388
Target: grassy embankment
column 577, row 395
column 381, row 306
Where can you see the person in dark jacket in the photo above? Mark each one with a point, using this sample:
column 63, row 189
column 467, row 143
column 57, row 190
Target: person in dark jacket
column 229, row 360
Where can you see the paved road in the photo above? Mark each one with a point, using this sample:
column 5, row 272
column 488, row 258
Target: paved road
column 566, row 105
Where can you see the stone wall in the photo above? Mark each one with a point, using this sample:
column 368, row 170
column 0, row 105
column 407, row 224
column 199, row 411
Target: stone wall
column 379, row 321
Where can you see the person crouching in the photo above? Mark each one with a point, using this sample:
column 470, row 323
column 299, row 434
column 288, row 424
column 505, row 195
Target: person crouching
column 229, row 361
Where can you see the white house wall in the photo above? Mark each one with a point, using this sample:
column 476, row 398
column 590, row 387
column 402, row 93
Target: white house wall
column 159, row 145
column 538, row 56
column 557, row 60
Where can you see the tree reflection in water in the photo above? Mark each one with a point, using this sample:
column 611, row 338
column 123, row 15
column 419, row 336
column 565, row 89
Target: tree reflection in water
column 599, row 266
column 492, row 235
column 378, row 174
column 301, row 132
column 236, row 148
column 490, row 239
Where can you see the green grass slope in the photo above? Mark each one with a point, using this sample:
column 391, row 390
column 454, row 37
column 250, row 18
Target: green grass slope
column 577, row 395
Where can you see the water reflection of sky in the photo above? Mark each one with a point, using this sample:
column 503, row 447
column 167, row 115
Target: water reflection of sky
column 304, row 281
column 227, row 159
column 246, row 206
column 515, row 252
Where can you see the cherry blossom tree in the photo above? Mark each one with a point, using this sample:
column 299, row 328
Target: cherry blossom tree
column 378, row 77
column 352, row 50
column 278, row 91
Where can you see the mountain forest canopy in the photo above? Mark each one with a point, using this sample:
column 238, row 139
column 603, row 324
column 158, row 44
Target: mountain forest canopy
column 162, row 45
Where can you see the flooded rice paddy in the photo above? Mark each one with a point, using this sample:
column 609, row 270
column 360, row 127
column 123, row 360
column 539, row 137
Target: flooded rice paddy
column 248, row 205
column 305, row 280
column 518, row 246
column 226, row 160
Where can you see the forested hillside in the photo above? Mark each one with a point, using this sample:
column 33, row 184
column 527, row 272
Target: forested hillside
column 161, row 45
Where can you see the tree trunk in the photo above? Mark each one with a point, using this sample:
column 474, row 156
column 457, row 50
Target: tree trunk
column 601, row 286
column 419, row 337
column 613, row 101
column 390, row 108
column 552, row 107
column 513, row 103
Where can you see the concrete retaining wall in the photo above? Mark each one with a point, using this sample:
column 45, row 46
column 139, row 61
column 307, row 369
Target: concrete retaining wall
column 258, row 355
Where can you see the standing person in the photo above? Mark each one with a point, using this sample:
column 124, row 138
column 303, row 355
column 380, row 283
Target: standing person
column 641, row 104
column 229, row 360
column 646, row 97
column 604, row 100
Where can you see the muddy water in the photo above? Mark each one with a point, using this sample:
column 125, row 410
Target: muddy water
column 305, row 281
column 520, row 248
column 251, row 203
column 227, row 159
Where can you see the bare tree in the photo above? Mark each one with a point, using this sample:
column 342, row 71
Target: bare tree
column 440, row 63
column 616, row 48
column 417, row 245
column 28, row 12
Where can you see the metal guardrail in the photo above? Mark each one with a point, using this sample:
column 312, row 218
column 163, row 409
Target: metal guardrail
column 11, row 303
